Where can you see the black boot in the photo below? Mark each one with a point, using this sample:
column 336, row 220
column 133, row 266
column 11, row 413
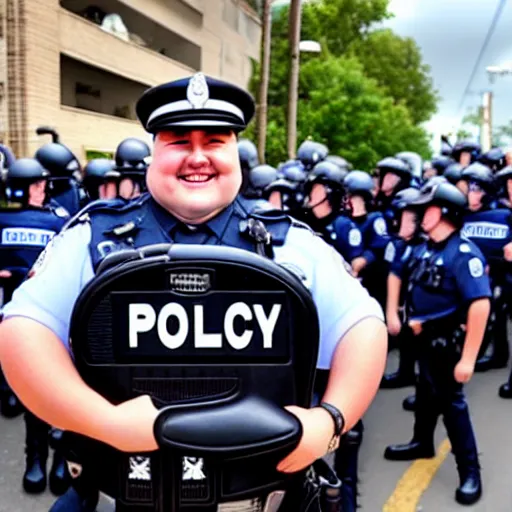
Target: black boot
column 409, row 403
column 60, row 478
column 505, row 390
column 10, row 407
column 411, row 451
column 470, row 488
column 36, row 449
column 396, row 380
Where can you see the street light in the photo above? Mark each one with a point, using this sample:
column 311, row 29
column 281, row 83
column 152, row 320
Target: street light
column 504, row 69
column 310, row 46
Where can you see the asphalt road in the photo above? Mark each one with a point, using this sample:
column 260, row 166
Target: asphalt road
column 385, row 486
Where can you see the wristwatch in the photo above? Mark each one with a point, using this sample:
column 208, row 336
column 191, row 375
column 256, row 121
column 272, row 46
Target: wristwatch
column 339, row 423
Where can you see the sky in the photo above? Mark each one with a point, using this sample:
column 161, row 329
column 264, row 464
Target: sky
column 450, row 34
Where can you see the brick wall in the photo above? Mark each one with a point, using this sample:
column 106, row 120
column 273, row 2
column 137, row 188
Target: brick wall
column 51, row 31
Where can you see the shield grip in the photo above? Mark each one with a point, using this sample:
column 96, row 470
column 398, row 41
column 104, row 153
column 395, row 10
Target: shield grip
column 227, row 430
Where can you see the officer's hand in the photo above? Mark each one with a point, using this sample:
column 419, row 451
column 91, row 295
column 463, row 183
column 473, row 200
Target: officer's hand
column 463, row 371
column 357, row 265
column 394, row 324
column 416, row 327
column 317, row 432
column 5, row 274
column 507, row 251
column 132, row 429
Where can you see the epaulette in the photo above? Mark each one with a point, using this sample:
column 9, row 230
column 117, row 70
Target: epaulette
column 110, row 206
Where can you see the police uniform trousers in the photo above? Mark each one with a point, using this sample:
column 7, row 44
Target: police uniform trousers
column 438, row 393
column 347, row 455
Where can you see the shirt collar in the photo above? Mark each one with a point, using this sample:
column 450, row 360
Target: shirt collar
column 217, row 225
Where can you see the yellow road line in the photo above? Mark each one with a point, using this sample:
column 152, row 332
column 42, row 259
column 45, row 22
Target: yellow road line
column 415, row 481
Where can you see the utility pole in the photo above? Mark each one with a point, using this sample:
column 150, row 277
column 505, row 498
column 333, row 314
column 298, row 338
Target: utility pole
column 264, row 78
column 486, row 122
column 293, row 93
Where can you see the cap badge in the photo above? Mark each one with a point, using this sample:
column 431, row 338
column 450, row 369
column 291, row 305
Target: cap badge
column 197, row 91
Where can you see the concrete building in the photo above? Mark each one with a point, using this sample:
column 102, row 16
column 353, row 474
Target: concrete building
column 80, row 65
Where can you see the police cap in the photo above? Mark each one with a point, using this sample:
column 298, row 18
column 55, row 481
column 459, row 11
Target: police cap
column 198, row 101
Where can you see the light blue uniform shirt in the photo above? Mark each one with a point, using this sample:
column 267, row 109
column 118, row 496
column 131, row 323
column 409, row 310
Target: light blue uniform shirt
column 65, row 268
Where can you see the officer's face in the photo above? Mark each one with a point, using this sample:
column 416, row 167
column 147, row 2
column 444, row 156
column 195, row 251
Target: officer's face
column 128, row 189
column 389, row 182
column 407, row 225
column 431, row 218
column 475, row 196
column 108, row 190
column 275, row 199
column 465, row 159
column 195, row 174
column 37, row 193
column 463, row 186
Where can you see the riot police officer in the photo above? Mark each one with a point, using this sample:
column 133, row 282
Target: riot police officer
column 466, row 152
column 437, row 167
column 448, row 286
column 193, row 182
column 495, row 159
column 100, row 179
column 453, row 173
column 324, row 191
column 64, row 169
column 248, row 155
column 258, row 179
column 504, row 184
column 489, row 228
column 394, row 175
column 400, row 247
column 27, row 226
column 131, row 162
column 373, row 227
column 287, row 191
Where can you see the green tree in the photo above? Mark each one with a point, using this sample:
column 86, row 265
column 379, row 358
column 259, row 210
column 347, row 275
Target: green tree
column 342, row 108
column 396, row 63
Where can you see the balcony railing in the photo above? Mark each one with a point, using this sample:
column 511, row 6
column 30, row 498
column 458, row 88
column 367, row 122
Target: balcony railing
column 87, row 42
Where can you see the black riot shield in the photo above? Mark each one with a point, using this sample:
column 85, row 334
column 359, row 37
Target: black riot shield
column 221, row 339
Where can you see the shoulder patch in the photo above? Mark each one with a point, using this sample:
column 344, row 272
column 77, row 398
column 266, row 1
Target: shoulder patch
column 354, row 237
column 390, row 252
column 43, row 258
column 476, row 267
column 380, row 227
column 464, row 248
column 407, row 253
column 61, row 212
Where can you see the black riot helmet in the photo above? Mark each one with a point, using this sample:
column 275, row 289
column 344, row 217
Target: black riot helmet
column 293, row 170
column 466, row 146
column 339, row 161
column 291, row 198
column 248, row 154
column 359, row 183
column 445, row 195
column 20, row 175
column 258, row 179
column 495, row 159
column 331, row 177
column 403, row 201
column 132, row 161
column 504, row 175
column 481, row 175
column 453, row 173
column 440, row 163
column 59, row 161
column 96, row 173
column 310, row 153
column 413, row 160
column 396, row 166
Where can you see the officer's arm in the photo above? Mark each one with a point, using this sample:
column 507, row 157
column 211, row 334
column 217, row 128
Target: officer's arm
column 478, row 314
column 40, row 370
column 356, row 369
column 393, row 303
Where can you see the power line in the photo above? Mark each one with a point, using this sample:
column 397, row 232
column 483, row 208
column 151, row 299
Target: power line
column 487, row 39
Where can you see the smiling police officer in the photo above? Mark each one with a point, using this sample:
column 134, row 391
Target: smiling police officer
column 193, row 182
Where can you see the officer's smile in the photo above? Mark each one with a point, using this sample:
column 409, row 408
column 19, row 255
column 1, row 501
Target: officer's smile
column 197, row 178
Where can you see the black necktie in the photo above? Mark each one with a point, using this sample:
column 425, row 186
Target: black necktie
column 187, row 234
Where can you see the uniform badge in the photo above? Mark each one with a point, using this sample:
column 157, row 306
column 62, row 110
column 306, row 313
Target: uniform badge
column 354, row 237
column 380, row 227
column 197, row 91
column 464, row 248
column 390, row 252
column 476, row 268
column 60, row 211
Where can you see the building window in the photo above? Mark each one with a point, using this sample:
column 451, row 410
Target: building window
column 93, row 89
column 230, row 14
